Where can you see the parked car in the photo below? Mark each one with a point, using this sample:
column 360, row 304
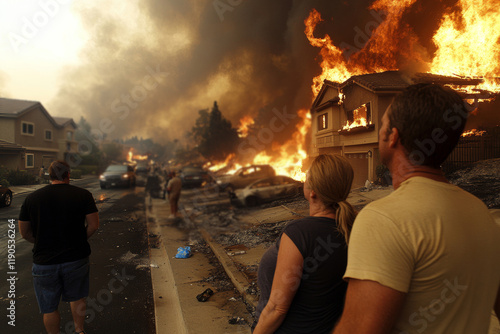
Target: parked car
column 193, row 176
column 267, row 190
column 117, row 175
column 5, row 196
column 244, row 176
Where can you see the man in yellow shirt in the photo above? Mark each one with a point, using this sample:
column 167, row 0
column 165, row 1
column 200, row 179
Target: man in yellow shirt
column 425, row 259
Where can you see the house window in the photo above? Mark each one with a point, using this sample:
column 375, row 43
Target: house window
column 48, row 135
column 27, row 128
column 69, row 135
column 68, row 147
column 361, row 116
column 30, row 160
column 323, row 122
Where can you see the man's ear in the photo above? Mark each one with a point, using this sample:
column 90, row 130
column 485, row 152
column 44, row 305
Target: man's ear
column 394, row 138
column 313, row 194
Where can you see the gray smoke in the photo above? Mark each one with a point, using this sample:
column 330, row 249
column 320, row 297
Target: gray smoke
column 149, row 74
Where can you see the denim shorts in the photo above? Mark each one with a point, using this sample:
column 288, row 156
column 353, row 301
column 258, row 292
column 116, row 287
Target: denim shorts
column 69, row 280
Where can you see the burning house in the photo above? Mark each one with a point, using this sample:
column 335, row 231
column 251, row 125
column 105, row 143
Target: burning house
column 346, row 118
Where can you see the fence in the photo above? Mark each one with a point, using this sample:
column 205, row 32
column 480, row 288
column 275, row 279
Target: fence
column 472, row 149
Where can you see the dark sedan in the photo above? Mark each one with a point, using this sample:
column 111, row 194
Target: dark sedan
column 118, row 175
column 5, row 196
column 192, row 177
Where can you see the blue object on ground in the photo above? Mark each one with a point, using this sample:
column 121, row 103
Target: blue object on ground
column 183, row 252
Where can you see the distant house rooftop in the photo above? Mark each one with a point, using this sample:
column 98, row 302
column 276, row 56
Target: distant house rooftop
column 11, row 107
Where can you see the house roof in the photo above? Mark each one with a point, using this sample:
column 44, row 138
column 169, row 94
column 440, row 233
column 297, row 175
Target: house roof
column 15, row 107
column 12, row 108
column 7, row 146
column 62, row 121
column 383, row 81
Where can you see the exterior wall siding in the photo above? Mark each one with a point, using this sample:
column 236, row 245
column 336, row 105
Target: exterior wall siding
column 7, row 131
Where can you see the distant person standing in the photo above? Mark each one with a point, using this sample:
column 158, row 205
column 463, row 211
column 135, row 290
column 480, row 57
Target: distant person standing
column 58, row 219
column 174, row 193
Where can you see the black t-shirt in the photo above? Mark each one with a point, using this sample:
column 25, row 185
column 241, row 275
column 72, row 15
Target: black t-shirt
column 319, row 300
column 57, row 215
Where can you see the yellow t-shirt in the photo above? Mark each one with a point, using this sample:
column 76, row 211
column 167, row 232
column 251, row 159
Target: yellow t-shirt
column 438, row 244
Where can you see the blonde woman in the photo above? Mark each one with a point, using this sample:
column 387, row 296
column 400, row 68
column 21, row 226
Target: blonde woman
column 300, row 277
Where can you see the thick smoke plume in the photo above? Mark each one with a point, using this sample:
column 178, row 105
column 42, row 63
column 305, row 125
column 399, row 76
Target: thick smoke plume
column 150, row 65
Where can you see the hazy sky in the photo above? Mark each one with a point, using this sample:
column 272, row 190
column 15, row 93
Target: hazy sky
column 146, row 67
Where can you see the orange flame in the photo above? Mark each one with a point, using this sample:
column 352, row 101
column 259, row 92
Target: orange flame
column 467, row 43
column 245, row 124
column 473, row 133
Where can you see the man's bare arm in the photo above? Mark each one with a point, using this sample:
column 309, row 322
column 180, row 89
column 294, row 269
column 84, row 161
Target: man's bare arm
column 370, row 308
column 26, row 231
column 92, row 223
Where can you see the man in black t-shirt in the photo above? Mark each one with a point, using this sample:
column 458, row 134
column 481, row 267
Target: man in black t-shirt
column 58, row 219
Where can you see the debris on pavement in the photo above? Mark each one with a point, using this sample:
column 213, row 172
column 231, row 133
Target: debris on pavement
column 236, row 253
column 183, row 252
column 205, row 295
column 237, row 321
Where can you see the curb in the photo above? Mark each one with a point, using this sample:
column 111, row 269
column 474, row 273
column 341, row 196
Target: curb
column 239, row 280
column 162, row 280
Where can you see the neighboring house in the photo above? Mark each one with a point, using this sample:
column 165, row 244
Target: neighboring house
column 346, row 117
column 66, row 137
column 27, row 128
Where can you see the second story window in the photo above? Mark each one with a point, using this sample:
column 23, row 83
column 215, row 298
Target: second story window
column 69, row 135
column 48, row 135
column 323, row 122
column 27, row 128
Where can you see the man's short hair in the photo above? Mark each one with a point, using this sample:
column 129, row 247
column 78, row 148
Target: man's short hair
column 59, row 170
column 430, row 119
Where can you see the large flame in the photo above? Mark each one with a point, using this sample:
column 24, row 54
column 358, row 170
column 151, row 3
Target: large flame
column 468, row 45
column 466, row 41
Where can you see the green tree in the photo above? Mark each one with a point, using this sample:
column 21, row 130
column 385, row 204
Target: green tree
column 214, row 135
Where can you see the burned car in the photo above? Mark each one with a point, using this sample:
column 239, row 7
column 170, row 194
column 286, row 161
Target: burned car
column 5, row 196
column 194, row 176
column 267, row 190
column 118, row 175
column 244, row 176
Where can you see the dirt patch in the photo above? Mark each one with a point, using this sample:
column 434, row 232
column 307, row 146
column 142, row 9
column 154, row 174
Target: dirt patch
column 482, row 180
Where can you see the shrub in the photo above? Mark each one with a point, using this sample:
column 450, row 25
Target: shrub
column 20, row 177
column 4, row 183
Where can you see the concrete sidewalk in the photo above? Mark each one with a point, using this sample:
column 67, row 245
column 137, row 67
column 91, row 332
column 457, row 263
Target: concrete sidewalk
column 185, row 275
column 177, row 282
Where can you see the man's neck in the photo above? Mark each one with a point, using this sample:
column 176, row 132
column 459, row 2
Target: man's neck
column 65, row 181
column 402, row 169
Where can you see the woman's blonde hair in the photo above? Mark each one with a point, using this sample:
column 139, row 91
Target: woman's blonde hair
column 330, row 176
